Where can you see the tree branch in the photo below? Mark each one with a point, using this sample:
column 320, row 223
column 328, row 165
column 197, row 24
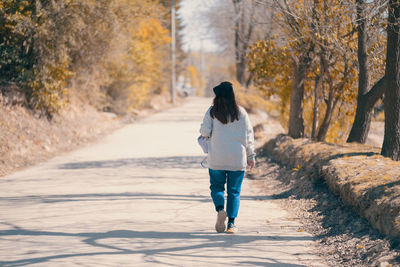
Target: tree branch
column 376, row 92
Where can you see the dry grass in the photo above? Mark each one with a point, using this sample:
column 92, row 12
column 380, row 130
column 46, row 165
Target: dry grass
column 26, row 138
column 363, row 178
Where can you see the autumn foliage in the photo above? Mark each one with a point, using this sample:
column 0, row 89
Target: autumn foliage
column 314, row 50
column 112, row 52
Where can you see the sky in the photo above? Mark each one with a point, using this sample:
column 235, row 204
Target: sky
column 196, row 33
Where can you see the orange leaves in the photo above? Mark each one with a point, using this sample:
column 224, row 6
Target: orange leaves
column 270, row 65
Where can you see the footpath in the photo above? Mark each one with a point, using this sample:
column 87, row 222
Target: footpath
column 139, row 197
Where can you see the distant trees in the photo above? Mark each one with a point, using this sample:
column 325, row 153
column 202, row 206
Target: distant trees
column 112, row 52
column 235, row 25
column 244, row 24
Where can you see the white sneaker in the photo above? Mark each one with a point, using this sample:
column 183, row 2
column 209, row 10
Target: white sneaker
column 220, row 224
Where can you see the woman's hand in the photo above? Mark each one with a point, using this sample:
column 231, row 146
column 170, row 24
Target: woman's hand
column 251, row 163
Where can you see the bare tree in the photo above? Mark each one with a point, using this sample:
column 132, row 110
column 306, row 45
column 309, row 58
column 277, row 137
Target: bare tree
column 243, row 32
column 235, row 25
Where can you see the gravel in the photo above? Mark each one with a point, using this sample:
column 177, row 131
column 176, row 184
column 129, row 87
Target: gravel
column 343, row 237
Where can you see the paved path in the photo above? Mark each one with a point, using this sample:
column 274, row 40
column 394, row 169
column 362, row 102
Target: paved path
column 140, row 198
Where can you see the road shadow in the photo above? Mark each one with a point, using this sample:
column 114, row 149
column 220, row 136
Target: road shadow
column 144, row 240
column 187, row 162
column 331, row 222
column 34, row 199
column 337, row 218
column 352, row 154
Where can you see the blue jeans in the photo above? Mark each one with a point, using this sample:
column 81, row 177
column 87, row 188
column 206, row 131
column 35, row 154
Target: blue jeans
column 234, row 180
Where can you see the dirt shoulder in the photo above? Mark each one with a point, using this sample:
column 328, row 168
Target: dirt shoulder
column 27, row 139
column 287, row 170
column 343, row 237
column 363, row 179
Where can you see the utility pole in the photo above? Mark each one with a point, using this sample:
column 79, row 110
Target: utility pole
column 173, row 50
column 202, row 79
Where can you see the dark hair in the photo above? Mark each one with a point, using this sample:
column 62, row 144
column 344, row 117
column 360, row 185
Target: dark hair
column 225, row 108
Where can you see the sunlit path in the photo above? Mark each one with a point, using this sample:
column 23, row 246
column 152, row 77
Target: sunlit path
column 140, row 198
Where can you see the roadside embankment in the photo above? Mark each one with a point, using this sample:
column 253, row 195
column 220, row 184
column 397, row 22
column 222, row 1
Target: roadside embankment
column 357, row 173
column 27, row 138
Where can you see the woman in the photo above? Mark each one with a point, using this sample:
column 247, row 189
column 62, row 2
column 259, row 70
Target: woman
column 230, row 151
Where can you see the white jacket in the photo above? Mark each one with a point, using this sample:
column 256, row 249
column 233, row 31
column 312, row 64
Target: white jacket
column 231, row 144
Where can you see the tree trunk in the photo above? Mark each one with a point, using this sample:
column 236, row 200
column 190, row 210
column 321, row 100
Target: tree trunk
column 238, row 64
column 362, row 121
column 318, row 79
column 318, row 84
column 330, row 107
column 296, row 122
column 249, row 79
column 243, row 34
column 391, row 141
column 365, row 105
column 240, row 70
column 323, row 130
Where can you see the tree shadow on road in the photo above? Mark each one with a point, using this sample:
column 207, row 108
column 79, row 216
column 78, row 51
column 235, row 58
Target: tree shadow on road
column 187, row 162
column 32, row 199
column 145, row 240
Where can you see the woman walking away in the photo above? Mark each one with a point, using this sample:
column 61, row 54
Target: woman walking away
column 230, row 151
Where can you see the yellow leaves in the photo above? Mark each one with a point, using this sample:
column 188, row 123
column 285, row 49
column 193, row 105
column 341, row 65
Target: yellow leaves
column 387, row 177
column 271, row 66
column 136, row 71
column 328, row 31
column 117, row 45
column 297, row 168
column 359, row 246
column 151, row 30
column 195, row 79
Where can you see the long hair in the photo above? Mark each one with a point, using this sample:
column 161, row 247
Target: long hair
column 225, row 108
